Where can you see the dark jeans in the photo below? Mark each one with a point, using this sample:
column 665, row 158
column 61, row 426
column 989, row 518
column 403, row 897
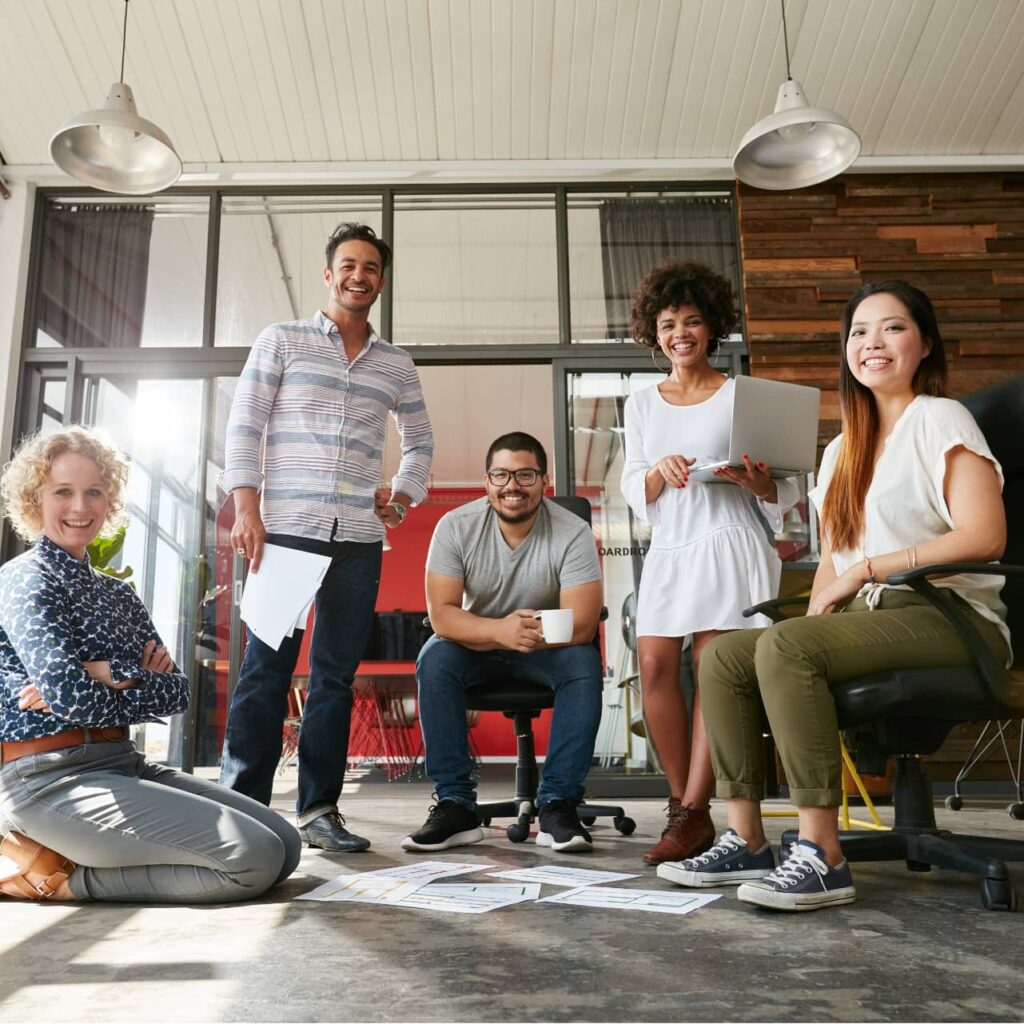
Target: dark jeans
column 444, row 670
column 341, row 630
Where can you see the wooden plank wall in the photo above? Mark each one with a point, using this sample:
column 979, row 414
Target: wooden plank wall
column 959, row 237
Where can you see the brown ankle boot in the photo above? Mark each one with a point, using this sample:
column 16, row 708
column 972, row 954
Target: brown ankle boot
column 689, row 832
column 41, row 871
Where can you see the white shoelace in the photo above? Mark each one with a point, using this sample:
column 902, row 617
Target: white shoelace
column 797, row 866
column 727, row 843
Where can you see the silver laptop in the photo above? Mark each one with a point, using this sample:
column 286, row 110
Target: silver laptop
column 772, row 422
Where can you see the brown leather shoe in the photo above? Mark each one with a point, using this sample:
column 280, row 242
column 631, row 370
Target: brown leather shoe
column 689, row 832
column 41, row 871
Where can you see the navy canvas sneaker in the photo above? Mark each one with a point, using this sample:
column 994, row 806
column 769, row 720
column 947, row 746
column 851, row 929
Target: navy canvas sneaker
column 804, row 881
column 728, row 862
column 448, row 824
column 561, row 828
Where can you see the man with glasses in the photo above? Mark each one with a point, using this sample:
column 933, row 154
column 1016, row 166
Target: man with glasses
column 492, row 564
column 318, row 393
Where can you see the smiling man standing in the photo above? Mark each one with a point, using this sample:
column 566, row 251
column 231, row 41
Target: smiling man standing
column 317, row 393
column 492, row 564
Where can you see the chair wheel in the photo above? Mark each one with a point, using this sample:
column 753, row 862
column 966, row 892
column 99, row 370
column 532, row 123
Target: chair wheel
column 627, row 826
column 517, row 833
column 998, row 894
column 918, row 865
column 953, row 803
column 1016, row 811
column 588, row 821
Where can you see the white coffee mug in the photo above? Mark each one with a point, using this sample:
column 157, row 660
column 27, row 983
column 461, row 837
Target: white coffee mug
column 556, row 625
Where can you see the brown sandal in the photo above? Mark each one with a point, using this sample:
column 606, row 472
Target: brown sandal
column 41, row 871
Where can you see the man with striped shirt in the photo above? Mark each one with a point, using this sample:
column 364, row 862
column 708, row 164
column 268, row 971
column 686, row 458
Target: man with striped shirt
column 317, row 394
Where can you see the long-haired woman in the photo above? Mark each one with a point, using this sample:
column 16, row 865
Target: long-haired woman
column 910, row 482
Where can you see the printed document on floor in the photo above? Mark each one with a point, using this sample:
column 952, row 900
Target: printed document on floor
column 275, row 597
column 389, row 885
column 606, row 897
column 464, row 897
column 557, row 874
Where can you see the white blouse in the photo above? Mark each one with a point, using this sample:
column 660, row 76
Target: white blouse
column 906, row 505
column 710, row 557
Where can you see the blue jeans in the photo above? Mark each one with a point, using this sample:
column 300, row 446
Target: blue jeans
column 341, row 631
column 443, row 671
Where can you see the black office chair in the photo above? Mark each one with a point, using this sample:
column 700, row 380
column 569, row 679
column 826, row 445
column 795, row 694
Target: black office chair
column 521, row 702
column 907, row 714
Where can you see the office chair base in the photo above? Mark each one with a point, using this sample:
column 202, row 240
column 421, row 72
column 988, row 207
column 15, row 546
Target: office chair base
column 525, row 814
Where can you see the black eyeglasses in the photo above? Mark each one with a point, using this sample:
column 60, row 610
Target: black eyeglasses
column 524, row 477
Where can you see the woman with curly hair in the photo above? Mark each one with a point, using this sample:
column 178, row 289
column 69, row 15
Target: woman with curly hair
column 709, row 556
column 86, row 816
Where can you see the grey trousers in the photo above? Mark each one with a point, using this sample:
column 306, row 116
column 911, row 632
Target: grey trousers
column 791, row 667
column 141, row 832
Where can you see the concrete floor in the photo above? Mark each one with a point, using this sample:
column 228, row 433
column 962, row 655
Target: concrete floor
column 914, row 947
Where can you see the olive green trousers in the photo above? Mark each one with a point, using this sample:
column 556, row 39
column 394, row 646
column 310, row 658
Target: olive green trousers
column 791, row 666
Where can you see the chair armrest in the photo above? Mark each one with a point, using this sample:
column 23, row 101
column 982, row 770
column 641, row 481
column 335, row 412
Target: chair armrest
column 905, row 577
column 773, row 609
column 993, row 674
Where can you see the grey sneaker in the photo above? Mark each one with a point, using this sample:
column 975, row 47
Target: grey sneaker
column 728, row 862
column 804, row 881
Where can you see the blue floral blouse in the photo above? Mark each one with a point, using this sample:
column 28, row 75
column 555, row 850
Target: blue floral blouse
column 57, row 612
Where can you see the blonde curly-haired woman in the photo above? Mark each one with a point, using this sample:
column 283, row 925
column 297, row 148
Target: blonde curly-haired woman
column 86, row 816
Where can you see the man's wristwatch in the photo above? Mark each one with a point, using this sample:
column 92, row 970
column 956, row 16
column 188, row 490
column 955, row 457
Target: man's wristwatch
column 400, row 510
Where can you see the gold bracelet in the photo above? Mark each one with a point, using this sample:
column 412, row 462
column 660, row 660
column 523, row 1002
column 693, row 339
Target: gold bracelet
column 913, row 553
column 907, row 553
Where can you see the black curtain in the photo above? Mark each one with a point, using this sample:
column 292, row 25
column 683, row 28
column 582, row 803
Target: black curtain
column 638, row 234
column 94, row 271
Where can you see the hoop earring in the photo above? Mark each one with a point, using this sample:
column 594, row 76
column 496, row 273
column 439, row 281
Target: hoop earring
column 654, row 359
column 714, row 361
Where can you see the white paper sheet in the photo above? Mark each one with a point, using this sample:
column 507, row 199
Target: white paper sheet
column 556, row 874
column 464, row 897
column 302, row 618
column 389, row 885
column 274, row 597
column 606, row 897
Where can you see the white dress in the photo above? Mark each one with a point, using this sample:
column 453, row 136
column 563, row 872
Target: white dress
column 710, row 556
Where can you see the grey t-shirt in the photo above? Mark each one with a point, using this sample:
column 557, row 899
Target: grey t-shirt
column 558, row 553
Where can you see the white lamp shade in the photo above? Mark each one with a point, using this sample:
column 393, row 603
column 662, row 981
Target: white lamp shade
column 796, row 146
column 116, row 150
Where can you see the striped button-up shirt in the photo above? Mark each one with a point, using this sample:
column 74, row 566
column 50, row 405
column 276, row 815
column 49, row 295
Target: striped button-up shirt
column 324, row 419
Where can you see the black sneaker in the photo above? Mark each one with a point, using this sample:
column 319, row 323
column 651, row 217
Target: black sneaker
column 561, row 829
column 448, row 824
column 328, row 832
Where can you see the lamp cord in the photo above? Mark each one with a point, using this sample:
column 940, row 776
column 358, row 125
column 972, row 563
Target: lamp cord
column 124, row 37
column 785, row 39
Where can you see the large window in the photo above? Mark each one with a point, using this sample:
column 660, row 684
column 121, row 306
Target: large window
column 615, row 239
column 475, row 270
column 143, row 311
column 122, row 275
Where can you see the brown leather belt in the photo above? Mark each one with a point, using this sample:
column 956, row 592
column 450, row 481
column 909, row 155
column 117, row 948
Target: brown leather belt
column 11, row 751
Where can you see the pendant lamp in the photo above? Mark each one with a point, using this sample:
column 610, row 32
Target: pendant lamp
column 797, row 145
column 114, row 149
